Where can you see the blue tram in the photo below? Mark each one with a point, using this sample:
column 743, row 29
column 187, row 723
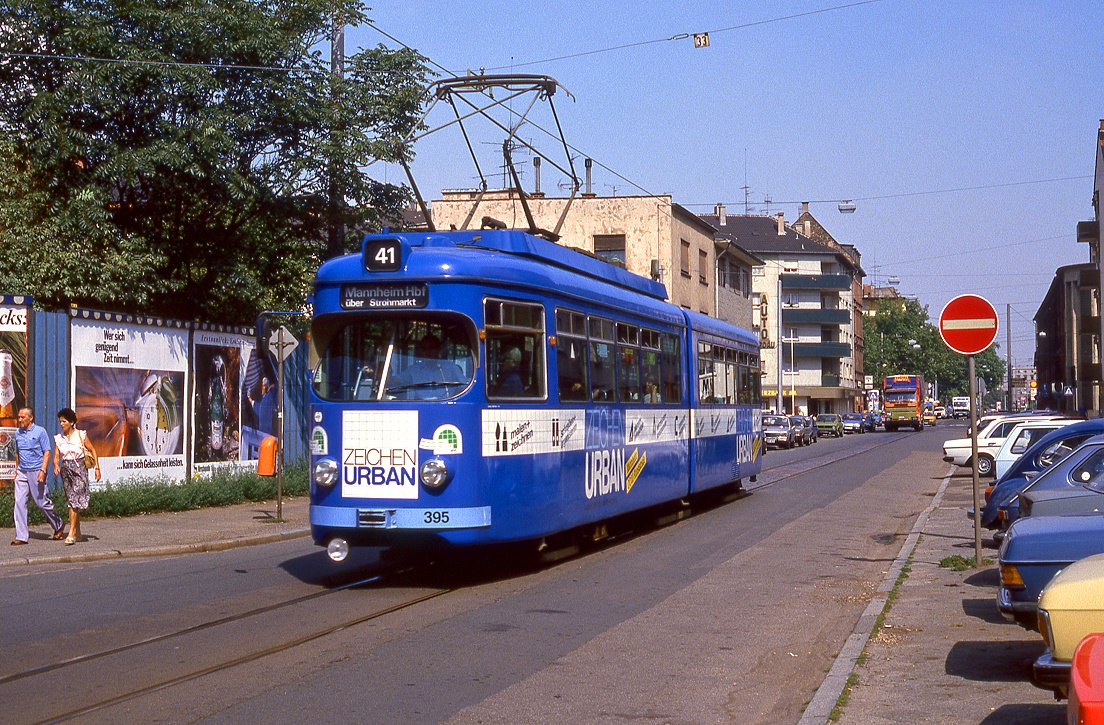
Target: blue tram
column 483, row 387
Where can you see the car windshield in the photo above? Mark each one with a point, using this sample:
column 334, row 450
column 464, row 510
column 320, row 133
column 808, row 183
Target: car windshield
column 852, row 416
column 823, row 418
column 410, row 357
column 774, row 420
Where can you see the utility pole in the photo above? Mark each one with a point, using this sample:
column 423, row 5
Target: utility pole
column 1008, row 352
column 335, row 241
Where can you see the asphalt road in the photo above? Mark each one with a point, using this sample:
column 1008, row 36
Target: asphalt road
column 732, row 615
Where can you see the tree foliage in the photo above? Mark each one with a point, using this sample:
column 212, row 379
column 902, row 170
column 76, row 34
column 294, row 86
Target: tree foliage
column 888, row 350
column 192, row 180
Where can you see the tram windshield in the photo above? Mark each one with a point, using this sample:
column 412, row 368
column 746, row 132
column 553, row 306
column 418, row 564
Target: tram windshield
column 410, row 357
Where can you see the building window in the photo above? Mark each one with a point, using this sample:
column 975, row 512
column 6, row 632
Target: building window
column 703, row 267
column 684, row 261
column 758, row 271
column 610, row 247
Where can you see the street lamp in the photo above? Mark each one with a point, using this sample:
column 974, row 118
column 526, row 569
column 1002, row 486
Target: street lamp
column 793, row 375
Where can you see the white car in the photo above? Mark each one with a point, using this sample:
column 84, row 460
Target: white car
column 990, row 438
column 1020, row 438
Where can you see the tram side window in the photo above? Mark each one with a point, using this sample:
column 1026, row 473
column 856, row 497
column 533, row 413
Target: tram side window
column 756, row 379
column 732, row 388
column 571, row 355
column 628, row 363
column 705, row 373
column 650, row 371
column 515, row 350
column 671, row 369
column 602, row 361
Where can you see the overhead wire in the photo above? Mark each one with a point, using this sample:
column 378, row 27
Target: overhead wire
column 685, row 36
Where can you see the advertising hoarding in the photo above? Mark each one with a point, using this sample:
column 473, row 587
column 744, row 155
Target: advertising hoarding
column 128, row 387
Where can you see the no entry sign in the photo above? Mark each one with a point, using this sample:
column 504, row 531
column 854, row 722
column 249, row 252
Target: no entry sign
column 968, row 324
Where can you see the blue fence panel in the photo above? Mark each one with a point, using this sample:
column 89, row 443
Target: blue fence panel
column 48, row 348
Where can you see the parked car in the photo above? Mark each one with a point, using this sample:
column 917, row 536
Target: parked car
column 990, row 438
column 830, row 424
column 1021, row 438
column 869, row 422
column 779, row 432
column 803, row 429
column 810, row 423
column 1036, row 549
column 1071, row 607
column 1081, row 491
column 853, row 423
column 928, row 416
column 1002, row 506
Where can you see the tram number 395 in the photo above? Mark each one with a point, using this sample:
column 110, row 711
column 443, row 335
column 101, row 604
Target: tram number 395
column 436, row 517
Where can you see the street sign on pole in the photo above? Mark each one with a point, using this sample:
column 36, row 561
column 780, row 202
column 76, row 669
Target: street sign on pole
column 968, row 324
column 282, row 343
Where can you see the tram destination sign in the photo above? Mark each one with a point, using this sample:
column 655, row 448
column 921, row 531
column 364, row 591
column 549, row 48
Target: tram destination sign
column 385, row 296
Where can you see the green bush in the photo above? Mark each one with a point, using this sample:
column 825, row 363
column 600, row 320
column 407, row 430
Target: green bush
column 150, row 496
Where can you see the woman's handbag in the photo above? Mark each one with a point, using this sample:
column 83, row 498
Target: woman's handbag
column 89, row 456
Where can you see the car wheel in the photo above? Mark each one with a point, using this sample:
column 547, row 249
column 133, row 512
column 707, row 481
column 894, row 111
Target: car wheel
column 985, row 465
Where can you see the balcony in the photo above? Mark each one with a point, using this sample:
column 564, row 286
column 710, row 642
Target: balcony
column 816, row 282
column 797, row 316
column 816, row 349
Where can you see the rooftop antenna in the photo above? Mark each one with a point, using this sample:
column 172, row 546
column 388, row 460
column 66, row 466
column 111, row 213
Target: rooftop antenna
column 745, row 187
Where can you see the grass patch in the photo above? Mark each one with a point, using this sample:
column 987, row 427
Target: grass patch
column 159, row 495
column 845, row 696
column 957, row 562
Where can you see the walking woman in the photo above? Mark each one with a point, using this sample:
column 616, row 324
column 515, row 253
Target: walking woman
column 69, row 456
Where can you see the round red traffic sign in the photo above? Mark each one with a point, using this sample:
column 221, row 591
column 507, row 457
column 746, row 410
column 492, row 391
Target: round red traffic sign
column 968, row 324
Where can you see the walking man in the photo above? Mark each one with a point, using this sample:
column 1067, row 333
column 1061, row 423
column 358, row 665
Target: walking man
column 30, row 480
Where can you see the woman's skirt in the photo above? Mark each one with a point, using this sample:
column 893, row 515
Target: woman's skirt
column 74, row 476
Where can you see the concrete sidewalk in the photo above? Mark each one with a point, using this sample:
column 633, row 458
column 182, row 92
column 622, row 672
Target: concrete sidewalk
column 945, row 654
column 208, row 529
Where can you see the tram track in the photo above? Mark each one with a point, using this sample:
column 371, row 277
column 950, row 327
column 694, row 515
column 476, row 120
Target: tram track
column 797, row 468
column 222, row 664
column 775, row 475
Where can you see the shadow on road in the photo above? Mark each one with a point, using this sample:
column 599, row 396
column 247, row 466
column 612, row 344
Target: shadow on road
column 983, row 609
column 993, row 661
column 985, row 578
column 1027, row 715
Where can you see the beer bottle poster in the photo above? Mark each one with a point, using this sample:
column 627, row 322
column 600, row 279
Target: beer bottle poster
column 13, row 361
column 217, row 399
column 129, row 383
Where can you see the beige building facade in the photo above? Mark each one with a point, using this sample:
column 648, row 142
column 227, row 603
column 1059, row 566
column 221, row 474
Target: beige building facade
column 647, row 235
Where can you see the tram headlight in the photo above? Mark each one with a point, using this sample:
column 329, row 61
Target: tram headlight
column 325, row 472
column 435, row 474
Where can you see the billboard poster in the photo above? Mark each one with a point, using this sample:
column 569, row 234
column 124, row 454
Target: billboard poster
column 13, row 360
column 129, row 383
column 219, row 367
column 9, row 454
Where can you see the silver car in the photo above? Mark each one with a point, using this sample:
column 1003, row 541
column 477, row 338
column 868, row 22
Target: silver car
column 779, row 432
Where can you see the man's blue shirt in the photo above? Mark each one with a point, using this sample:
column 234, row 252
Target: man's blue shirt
column 34, row 445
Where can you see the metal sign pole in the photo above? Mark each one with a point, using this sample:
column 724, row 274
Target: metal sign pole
column 974, row 458
column 280, row 429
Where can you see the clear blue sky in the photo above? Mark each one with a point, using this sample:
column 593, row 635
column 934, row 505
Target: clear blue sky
column 888, row 99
